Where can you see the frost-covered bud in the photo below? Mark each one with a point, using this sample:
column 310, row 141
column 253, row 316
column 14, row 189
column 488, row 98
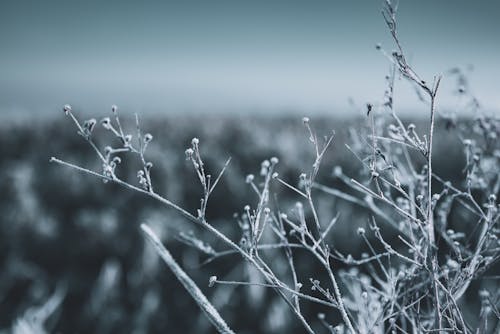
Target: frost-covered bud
column 467, row 142
column 264, row 167
column 305, row 120
column 375, row 174
column 337, row 171
column 419, row 198
column 274, row 160
column 321, row 316
column 189, row 153
column 106, row 123
column 364, row 295
column 267, row 211
column 148, row 137
column 89, row 125
column 211, row 281
column 303, row 176
column 117, row 160
column 298, row 286
column 127, row 139
column 247, row 208
column 114, row 108
column 275, row 175
column 67, row 109
column 195, row 141
column 283, row 216
column 411, row 127
column 249, row 178
column 140, row 173
column 492, row 198
column 476, row 158
column 108, row 150
column 361, row 231
column 436, row 197
column 149, row 165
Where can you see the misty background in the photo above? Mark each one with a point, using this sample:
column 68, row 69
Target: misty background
column 246, row 57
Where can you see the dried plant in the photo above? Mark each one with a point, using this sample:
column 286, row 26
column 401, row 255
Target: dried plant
column 413, row 283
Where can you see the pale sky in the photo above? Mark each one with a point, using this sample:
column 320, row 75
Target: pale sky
column 242, row 56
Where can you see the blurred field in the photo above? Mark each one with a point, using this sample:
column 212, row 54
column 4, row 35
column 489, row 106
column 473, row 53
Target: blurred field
column 61, row 228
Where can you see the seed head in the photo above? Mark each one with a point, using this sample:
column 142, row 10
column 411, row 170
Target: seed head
column 106, row 123
column 189, row 153
column 249, row 178
column 211, row 281
column 67, row 109
column 148, row 137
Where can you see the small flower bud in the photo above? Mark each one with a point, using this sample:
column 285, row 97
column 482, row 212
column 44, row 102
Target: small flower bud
column 305, row 120
column 337, row 171
column 267, row 211
column 247, row 208
column 411, row 127
column 467, row 142
column 211, row 281
column 89, row 125
column 274, row 160
column 148, row 137
column 106, row 123
column 275, row 175
column 249, row 178
column 361, row 231
column 67, row 109
column 189, row 153
column 195, row 141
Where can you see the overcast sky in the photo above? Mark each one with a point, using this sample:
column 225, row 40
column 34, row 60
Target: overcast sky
column 244, row 56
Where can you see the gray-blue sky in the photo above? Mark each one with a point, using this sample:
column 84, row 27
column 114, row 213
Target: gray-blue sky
column 232, row 55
